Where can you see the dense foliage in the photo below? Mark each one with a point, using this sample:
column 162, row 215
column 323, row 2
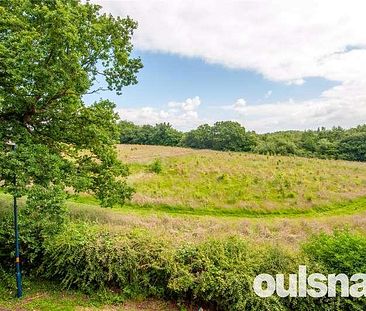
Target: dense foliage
column 161, row 134
column 216, row 273
column 51, row 52
column 223, row 135
column 335, row 143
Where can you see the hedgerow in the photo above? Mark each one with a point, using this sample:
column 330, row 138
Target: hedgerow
column 217, row 273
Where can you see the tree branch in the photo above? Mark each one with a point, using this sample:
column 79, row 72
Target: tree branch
column 101, row 89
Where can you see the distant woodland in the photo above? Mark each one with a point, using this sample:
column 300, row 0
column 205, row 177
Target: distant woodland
column 335, row 143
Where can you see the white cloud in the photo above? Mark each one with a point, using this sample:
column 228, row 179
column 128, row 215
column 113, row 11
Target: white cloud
column 284, row 40
column 268, row 94
column 296, row 82
column 182, row 115
column 240, row 104
column 189, row 105
column 300, row 115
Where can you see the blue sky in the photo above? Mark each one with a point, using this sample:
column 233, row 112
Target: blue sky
column 270, row 65
column 168, row 77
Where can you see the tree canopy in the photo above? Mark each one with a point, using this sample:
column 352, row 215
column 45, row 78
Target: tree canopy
column 161, row 134
column 335, row 143
column 223, row 135
column 51, row 53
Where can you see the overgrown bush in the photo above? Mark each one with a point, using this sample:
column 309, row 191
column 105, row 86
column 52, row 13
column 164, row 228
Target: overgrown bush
column 92, row 259
column 220, row 274
column 42, row 216
column 156, row 166
column 216, row 274
column 341, row 252
column 6, row 241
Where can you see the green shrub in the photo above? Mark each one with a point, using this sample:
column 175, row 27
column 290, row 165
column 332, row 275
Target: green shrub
column 156, row 166
column 341, row 252
column 219, row 274
column 89, row 258
column 43, row 216
column 6, row 242
column 40, row 218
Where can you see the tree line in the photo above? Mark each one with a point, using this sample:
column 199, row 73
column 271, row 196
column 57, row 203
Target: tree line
column 334, row 143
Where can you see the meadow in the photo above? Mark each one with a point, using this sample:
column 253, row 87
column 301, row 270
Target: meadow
column 252, row 184
column 206, row 204
column 202, row 193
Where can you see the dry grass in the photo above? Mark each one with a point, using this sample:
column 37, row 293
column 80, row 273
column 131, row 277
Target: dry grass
column 210, row 179
column 148, row 305
column 144, row 153
column 183, row 229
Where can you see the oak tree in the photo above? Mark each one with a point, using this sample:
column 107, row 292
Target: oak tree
column 51, row 53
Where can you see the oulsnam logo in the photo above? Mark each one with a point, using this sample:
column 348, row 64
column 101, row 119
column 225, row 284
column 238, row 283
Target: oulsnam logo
column 314, row 285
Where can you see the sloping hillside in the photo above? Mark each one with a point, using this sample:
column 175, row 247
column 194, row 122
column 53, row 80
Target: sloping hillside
column 203, row 179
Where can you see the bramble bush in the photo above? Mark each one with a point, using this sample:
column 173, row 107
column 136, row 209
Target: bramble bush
column 341, row 252
column 217, row 274
column 92, row 259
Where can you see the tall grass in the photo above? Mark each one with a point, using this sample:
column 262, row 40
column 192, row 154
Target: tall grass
column 264, row 184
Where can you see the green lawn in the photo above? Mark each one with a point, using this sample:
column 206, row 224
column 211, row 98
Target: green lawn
column 47, row 296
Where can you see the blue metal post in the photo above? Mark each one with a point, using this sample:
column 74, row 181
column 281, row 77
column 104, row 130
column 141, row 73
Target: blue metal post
column 16, row 229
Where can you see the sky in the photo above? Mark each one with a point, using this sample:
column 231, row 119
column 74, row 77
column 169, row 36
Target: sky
column 270, row 65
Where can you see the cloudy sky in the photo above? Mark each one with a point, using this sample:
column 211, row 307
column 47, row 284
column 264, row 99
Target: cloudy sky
column 271, row 65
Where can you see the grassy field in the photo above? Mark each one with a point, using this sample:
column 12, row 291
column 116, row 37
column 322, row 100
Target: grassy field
column 193, row 179
column 201, row 194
